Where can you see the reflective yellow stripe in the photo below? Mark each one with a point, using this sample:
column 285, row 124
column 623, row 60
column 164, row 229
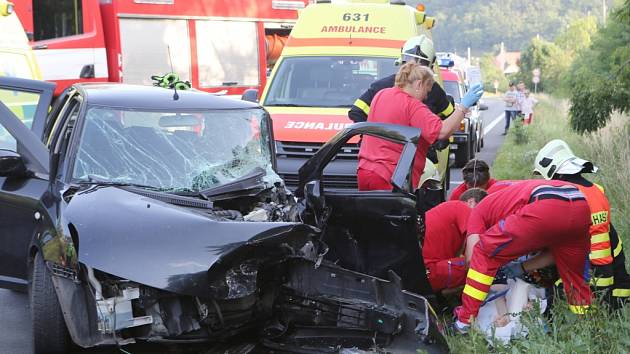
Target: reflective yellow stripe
column 621, row 292
column 600, row 238
column 600, row 187
column 604, row 281
column 617, row 249
column 479, row 277
column 475, row 293
column 558, row 282
column 600, row 254
column 446, row 112
column 580, row 310
column 362, row 106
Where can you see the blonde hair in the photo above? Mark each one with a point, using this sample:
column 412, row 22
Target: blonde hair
column 410, row 72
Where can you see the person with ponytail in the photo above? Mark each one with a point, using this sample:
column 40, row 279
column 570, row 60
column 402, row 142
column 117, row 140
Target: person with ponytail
column 402, row 105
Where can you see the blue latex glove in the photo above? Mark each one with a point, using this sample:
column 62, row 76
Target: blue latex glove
column 472, row 96
column 513, row 269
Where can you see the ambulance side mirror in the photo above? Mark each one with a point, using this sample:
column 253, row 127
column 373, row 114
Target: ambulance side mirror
column 250, row 95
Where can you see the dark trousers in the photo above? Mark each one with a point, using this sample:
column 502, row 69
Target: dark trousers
column 509, row 115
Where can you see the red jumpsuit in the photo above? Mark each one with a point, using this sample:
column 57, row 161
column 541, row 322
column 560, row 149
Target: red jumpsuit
column 443, row 241
column 523, row 218
column 378, row 157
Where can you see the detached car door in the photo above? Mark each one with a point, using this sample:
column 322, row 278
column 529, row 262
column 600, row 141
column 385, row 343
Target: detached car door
column 24, row 164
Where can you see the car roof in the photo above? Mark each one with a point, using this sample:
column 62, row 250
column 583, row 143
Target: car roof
column 155, row 98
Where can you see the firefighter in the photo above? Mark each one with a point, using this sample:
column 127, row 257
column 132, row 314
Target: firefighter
column 420, row 50
column 520, row 219
column 476, row 174
column 444, row 239
column 556, row 161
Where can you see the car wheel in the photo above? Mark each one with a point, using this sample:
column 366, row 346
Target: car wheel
column 50, row 334
column 462, row 154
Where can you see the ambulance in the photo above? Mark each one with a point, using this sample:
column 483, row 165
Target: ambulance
column 335, row 51
column 16, row 60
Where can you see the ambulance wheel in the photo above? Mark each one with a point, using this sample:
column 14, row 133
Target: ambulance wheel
column 50, row 335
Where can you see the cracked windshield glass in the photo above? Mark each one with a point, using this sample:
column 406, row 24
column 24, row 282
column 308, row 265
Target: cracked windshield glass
column 325, row 81
column 189, row 151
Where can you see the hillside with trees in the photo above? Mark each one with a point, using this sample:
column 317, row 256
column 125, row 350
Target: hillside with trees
column 483, row 24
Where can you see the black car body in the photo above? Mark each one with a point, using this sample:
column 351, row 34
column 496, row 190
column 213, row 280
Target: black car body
column 143, row 214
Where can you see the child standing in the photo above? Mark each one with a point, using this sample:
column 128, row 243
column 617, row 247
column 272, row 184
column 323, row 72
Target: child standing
column 527, row 107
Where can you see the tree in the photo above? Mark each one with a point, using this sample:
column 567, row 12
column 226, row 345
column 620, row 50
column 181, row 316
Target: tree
column 552, row 61
column 600, row 76
column 490, row 73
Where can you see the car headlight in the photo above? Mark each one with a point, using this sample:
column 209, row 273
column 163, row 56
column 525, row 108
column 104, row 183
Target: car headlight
column 238, row 282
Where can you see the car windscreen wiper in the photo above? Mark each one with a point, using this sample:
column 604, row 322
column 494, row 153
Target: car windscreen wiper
column 101, row 182
column 247, row 183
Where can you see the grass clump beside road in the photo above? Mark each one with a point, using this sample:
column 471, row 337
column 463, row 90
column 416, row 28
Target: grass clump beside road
column 599, row 331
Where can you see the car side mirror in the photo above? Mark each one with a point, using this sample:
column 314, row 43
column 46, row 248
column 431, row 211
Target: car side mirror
column 314, row 197
column 483, row 107
column 250, row 95
column 12, row 165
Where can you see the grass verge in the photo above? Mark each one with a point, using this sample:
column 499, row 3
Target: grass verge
column 600, row 331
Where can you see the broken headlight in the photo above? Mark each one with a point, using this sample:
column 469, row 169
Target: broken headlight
column 238, row 282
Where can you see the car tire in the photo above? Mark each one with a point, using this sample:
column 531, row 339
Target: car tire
column 462, row 154
column 50, row 334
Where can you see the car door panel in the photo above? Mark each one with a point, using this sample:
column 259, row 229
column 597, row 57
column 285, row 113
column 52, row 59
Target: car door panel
column 22, row 209
column 374, row 232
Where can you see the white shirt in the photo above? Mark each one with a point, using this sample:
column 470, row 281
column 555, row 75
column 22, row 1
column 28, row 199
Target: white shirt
column 527, row 105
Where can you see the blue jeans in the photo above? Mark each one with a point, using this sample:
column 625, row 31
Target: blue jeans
column 509, row 115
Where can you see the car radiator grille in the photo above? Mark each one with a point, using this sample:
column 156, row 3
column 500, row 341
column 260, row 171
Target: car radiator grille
column 290, row 149
column 305, row 150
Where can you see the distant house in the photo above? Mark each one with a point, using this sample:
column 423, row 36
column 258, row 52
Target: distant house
column 508, row 62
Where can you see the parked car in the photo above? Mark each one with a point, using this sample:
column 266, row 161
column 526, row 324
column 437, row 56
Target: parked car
column 137, row 213
column 468, row 140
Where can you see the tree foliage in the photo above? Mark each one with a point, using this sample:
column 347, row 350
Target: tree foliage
column 483, row 24
column 550, row 59
column 491, row 73
column 599, row 77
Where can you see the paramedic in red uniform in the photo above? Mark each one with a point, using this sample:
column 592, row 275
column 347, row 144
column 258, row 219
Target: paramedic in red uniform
column 520, row 219
column 444, row 240
column 402, row 104
column 476, row 174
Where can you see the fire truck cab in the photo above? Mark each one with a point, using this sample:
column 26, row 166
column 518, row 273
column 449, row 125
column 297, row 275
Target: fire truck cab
column 218, row 46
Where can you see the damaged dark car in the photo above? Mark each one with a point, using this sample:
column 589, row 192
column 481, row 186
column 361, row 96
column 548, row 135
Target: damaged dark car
column 140, row 214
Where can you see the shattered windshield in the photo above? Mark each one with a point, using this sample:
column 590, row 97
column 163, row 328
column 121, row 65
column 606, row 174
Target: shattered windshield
column 325, row 81
column 173, row 151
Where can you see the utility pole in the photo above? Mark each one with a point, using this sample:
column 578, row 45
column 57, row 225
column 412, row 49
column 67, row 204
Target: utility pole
column 469, row 63
column 604, row 10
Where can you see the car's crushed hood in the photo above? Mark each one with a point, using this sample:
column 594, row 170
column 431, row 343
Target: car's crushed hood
column 166, row 246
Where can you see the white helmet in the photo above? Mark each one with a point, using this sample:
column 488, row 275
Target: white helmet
column 419, row 49
column 557, row 158
column 430, row 175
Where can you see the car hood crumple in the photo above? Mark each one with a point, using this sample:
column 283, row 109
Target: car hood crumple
column 170, row 247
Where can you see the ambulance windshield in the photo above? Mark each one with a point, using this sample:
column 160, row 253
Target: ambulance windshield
column 325, row 81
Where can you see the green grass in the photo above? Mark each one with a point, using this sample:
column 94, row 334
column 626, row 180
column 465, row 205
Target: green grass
column 600, row 331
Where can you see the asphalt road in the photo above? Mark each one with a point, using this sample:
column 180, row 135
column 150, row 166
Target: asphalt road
column 15, row 322
column 493, row 126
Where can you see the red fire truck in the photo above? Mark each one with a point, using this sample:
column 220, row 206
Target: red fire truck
column 218, row 45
